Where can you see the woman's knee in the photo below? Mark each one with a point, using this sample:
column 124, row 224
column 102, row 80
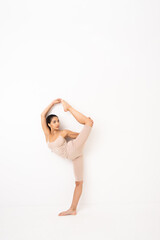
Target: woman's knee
column 89, row 122
column 79, row 183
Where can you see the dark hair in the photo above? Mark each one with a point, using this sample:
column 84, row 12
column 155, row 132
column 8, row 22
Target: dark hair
column 49, row 119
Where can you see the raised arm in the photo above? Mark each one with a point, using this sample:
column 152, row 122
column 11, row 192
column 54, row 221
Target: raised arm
column 58, row 100
column 43, row 116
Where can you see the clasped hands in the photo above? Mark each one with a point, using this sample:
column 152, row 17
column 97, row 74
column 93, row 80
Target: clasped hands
column 58, row 100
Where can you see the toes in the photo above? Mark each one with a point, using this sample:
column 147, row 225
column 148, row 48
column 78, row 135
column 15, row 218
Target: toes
column 60, row 214
column 67, row 213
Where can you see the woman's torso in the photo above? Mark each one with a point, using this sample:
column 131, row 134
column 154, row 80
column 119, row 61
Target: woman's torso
column 58, row 144
column 52, row 138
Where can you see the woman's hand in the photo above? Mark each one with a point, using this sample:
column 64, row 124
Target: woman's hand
column 58, row 100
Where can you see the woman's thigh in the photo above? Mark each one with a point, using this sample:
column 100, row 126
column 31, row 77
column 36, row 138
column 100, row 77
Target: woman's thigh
column 78, row 168
column 75, row 146
column 82, row 137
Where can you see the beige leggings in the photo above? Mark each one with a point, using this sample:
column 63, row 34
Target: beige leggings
column 75, row 151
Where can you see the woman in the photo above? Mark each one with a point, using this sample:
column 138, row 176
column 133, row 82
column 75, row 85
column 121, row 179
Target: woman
column 73, row 149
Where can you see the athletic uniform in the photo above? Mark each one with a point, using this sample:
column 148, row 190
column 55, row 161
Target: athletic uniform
column 72, row 150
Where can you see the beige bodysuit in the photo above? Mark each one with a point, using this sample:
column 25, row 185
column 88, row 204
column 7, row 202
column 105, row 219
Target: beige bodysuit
column 72, row 150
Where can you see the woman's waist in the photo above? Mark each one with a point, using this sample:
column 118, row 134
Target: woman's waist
column 60, row 150
column 71, row 151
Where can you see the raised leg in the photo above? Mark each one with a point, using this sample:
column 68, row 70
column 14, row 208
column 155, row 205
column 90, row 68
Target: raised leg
column 77, row 115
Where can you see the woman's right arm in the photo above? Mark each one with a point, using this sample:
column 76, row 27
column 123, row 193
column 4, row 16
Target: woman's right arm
column 43, row 116
column 58, row 100
column 44, row 125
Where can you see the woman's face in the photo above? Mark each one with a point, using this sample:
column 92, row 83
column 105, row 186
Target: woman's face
column 54, row 124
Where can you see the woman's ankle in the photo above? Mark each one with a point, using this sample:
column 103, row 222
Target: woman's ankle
column 73, row 208
column 69, row 108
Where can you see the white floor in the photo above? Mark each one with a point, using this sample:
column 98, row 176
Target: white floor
column 116, row 221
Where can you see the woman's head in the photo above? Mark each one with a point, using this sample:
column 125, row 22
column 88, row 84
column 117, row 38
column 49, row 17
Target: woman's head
column 52, row 122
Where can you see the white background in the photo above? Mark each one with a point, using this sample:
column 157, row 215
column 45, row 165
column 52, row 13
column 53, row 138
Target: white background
column 103, row 58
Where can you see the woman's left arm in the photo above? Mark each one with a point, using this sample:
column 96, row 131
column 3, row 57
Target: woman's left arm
column 71, row 134
column 58, row 100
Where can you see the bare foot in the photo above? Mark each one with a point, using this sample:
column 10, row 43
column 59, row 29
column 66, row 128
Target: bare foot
column 65, row 105
column 68, row 212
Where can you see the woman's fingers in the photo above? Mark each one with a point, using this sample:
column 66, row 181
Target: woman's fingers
column 58, row 100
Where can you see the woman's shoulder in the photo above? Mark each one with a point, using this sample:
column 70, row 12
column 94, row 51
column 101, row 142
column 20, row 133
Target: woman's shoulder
column 62, row 133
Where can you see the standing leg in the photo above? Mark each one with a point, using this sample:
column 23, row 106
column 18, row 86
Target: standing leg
column 76, row 196
column 77, row 115
column 78, row 173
